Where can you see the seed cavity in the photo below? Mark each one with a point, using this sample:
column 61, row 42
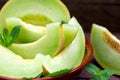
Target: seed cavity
column 112, row 41
column 36, row 19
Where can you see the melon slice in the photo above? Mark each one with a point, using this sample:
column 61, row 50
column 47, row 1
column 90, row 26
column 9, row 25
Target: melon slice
column 71, row 56
column 106, row 48
column 50, row 44
column 14, row 66
column 28, row 32
column 36, row 12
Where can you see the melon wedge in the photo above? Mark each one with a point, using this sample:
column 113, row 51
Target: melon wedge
column 50, row 44
column 28, row 32
column 71, row 56
column 36, row 12
column 14, row 66
column 106, row 48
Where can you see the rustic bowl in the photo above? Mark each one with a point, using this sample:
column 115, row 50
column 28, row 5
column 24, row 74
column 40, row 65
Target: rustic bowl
column 72, row 75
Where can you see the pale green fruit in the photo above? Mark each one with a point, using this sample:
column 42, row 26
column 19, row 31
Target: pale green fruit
column 71, row 56
column 14, row 66
column 48, row 44
column 52, row 43
column 64, row 43
column 36, row 12
column 106, row 48
column 28, row 32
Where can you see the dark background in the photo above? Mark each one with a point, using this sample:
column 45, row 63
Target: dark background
column 102, row 12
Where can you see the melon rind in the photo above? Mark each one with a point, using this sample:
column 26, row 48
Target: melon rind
column 105, row 55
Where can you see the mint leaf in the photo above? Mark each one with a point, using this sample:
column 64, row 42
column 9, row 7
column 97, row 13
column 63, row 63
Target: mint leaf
column 107, row 74
column 93, row 69
column 99, row 74
column 40, row 75
column 7, row 39
column 5, row 35
column 63, row 22
column 1, row 39
column 59, row 72
column 15, row 32
column 95, row 79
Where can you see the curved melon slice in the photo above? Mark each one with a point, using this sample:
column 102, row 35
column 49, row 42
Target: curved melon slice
column 71, row 56
column 37, row 12
column 52, row 43
column 14, row 66
column 69, row 32
column 28, row 32
column 106, row 47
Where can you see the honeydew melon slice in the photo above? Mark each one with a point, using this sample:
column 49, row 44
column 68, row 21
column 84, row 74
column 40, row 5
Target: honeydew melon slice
column 14, row 66
column 36, row 12
column 69, row 32
column 106, row 48
column 28, row 32
column 71, row 56
column 50, row 43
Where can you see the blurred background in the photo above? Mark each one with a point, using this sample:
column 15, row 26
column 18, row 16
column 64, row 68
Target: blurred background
column 102, row 12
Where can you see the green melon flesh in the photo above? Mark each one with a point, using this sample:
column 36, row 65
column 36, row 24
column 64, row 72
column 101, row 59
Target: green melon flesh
column 14, row 66
column 43, row 40
column 28, row 32
column 107, row 56
column 48, row 44
column 71, row 56
column 36, row 12
column 69, row 32
column 52, row 43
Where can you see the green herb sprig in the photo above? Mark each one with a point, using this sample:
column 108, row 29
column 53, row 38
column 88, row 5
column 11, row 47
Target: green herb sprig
column 54, row 73
column 40, row 75
column 6, row 38
column 98, row 73
column 63, row 22
column 59, row 72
